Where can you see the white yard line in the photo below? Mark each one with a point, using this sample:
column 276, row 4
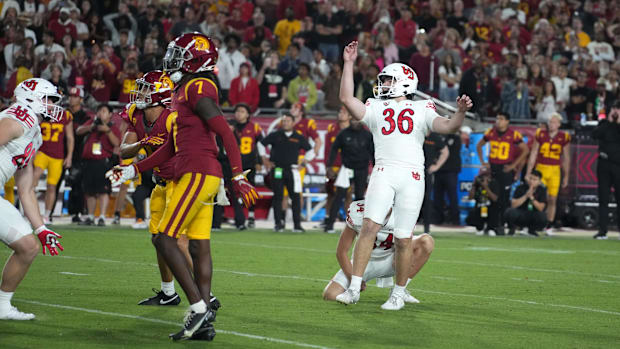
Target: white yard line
column 296, row 277
column 527, row 279
column 70, row 273
column 142, row 318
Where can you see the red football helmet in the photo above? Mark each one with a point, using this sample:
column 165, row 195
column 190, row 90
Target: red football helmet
column 189, row 53
column 154, row 88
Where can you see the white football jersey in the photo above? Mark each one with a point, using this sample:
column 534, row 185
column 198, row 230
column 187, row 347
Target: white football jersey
column 399, row 129
column 384, row 245
column 20, row 151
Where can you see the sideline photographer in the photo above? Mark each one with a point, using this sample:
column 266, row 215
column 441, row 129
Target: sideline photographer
column 485, row 191
column 102, row 136
column 608, row 168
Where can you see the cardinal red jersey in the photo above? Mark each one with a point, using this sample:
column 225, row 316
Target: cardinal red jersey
column 502, row 147
column 482, row 30
column 306, row 128
column 196, row 149
column 248, row 135
column 330, row 137
column 53, row 134
column 550, row 149
column 160, row 128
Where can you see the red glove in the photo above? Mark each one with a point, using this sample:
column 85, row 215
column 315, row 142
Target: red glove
column 49, row 239
column 244, row 190
column 152, row 140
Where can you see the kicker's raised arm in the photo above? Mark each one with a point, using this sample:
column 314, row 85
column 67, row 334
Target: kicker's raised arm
column 356, row 107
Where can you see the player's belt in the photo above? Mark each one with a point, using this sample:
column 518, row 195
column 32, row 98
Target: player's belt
column 159, row 180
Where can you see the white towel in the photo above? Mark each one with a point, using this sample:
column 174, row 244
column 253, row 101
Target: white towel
column 342, row 180
column 296, row 178
column 222, row 199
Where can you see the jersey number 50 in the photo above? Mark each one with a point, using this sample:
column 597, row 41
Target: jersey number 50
column 405, row 115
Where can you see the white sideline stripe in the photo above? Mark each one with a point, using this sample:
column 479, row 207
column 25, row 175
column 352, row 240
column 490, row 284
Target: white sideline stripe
column 501, row 249
column 524, row 279
column 136, row 317
column 296, row 277
column 273, row 246
column 70, row 273
column 442, row 277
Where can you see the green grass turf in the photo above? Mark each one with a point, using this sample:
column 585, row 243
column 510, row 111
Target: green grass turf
column 475, row 292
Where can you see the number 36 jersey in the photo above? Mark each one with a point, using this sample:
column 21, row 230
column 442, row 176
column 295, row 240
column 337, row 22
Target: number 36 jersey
column 17, row 153
column 399, row 129
column 384, row 244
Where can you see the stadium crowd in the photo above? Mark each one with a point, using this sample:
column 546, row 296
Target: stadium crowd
column 525, row 59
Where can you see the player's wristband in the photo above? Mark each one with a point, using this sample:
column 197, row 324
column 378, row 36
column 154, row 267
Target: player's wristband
column 40, row 229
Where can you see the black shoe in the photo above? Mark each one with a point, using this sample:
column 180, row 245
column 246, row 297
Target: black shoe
column 160, row 298
column 299, row 230
column 600, row 236
column 206, row 332
column 241, row 227
column 532, row 233
column 76, row 219
column 87, row 221
column 117, row 218
column 251, row 223
column 278, row 228
column 329, row 228
column 193, row 322
column 511, row 231
column 215, row 303
column 101, row 222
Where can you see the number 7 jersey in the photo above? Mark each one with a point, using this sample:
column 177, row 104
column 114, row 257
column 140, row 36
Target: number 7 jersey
column 17, row 153
column 399, row 130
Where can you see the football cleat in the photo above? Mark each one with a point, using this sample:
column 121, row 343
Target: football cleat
column 408, row 298
column 251, row 223
column 395, row 302
column 479, row 232
column 193, row 321
column 600, row 236
column 348, row 297
column 549, row 232
column 117, row 219
column 215, row 303
column 101, row 222
column 160, row 298
column 87, row 221
column 299, row 230
column 206, row 332
column 139, row 224
column 13, row 314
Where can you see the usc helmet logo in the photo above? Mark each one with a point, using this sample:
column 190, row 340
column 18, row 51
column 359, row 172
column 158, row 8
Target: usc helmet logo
column 163, row 83
column 201, row 43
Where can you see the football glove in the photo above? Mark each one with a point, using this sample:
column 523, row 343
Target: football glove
column 121, row 174
column 244, row 190
column 152, row 140
column 49, row 239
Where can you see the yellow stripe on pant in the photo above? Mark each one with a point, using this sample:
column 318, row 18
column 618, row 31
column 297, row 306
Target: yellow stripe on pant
column 190, row 207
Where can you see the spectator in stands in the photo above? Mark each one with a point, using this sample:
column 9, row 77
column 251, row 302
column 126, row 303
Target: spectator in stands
column 126, row 80
column 119, row 21
column 235, row 22
column 101, row 138
column 446, row 180
column 297, row 7
column 425, row 65
column 546, row 104
column 331, row 88
column 15, row 38
column 22, row 72
column 96, row 28
column 306, row 55
column 600, row 49
column 229, row 62
column 562, row 84
column 48, row 47
column 576, row 31
column 189, row 23
column 56, row 76
column 319, row 68
column 404, row 33
column 149, row 21
column 528, row 206
column 352, row 22
column 449, row 47
column 308, row 33
column 449, row 78
column 477, row 84
column 80, row 27
column 457, row 18
column 101, row 81
column 151, row 58
column 273, row 86
column 285, row 29
column 285, row 147
column 63, row 25
column 504, row 144
column 515, row 96
column 390, row 51
column 328, row 25
column 302, row 89
column 484, row 190
column 581, row 99
column 289, row 66
column 255, row 34
column 356, row 149
column 244, row 89
column 366, row 86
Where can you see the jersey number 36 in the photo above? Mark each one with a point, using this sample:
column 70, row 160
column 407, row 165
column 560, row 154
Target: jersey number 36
column 404, row 116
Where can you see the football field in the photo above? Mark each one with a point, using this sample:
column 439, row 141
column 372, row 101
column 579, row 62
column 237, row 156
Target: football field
column 475, row 292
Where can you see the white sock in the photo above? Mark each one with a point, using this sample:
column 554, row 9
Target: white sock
column 251, row 214
column 356, row 283
column 91, row 216
column 48, row 213
column 408, row 281
column 399, row 289
column 168, row 288
column 5, row 300
column 200, row 307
